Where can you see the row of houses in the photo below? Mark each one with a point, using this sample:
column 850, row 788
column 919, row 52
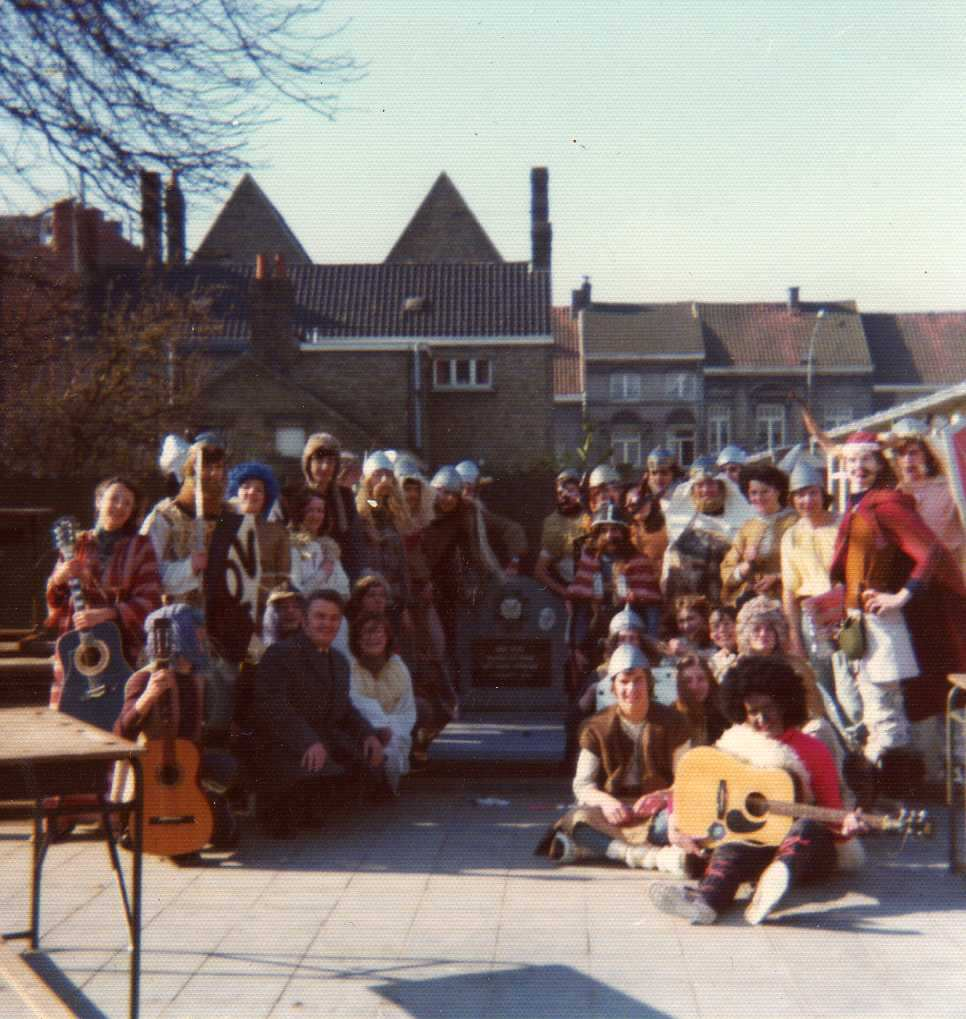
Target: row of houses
column 447, row 349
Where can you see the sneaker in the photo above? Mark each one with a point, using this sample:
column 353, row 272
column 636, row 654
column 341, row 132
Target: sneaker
column 563, row 849
column 775, row 880
column 682, row 901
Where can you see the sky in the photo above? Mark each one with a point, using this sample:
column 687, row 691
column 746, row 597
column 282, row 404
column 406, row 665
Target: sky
column 715, row 151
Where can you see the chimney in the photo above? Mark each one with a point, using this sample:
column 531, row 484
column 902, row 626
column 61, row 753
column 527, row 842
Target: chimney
column 580, row 299
column 62, row 232
column 151, row 218
column 541, row 232
column 87, row 224
column 793, row 298
column 271, row 301
column 174, row 221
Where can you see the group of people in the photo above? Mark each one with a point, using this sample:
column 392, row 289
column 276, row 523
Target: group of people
column 313, row 627
column 798, row 639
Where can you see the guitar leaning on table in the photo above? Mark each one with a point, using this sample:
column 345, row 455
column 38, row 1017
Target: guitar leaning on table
column 721, row 799
column 177, row 815
column 95, row 669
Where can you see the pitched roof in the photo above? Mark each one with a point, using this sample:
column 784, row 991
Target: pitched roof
column 774, row 336
column 653, row 330
column 567, row 370
column 378, row 300
column 443, row 229
column 248, row 225
column 925, row 348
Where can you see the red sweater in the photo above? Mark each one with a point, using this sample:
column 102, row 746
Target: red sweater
column 641, row 575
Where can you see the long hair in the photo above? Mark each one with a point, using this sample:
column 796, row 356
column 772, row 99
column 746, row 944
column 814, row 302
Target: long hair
column 395, row 506
column 360, row 622
column 133, row 522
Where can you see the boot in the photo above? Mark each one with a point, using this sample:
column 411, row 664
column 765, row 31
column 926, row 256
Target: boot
column 563, row 850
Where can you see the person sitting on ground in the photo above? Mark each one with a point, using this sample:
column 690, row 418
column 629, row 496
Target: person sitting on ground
column 765, row 699
column 381, row 689
column 697, row 701
column 142, row 712
column 724, row 635
column 307, row 731
column 628, row 754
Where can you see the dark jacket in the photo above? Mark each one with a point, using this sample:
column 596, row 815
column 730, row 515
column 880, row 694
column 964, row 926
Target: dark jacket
column 301, row 698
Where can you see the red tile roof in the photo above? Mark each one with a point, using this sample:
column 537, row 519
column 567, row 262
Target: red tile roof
column 567, row 367
column 925, row 348
column 775, row 336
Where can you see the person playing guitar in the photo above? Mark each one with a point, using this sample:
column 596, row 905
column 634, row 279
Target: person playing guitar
column 118, row 574
column 169, row 695
column 765, row 699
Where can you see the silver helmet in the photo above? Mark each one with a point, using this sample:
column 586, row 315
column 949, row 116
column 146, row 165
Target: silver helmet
column 604, row 474
column 805, row 474
column 607, row 516
column 447, row 480
column 731, row 455
column 468, row 471
column 626, row 619
column 377, row 461
column 625, row 657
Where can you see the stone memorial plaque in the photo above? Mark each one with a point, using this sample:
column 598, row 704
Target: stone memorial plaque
column 512, row 662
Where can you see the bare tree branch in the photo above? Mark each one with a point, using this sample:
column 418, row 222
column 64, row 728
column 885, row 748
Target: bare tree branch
column 103, row 88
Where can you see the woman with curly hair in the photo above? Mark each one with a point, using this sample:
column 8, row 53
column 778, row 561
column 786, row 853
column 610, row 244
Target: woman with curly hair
column 316, row 557
column 765, row 699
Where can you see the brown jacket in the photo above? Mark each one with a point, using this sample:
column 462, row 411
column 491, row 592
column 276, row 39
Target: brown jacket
column 664, row 731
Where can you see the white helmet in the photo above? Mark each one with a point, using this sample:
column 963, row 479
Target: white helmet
column 406, row 467
column 447, row 480
column 377, row 461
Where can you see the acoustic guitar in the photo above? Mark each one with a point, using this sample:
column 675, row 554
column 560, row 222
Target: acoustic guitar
column 177, row 815
column 719, row 799
column 95, row 669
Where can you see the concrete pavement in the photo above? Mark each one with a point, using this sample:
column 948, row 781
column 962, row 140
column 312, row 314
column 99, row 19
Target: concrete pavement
column 435, row 906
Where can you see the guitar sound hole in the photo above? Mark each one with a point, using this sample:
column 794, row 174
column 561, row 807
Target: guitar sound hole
column 88, row 657
column 755, row 805
column 169, row 774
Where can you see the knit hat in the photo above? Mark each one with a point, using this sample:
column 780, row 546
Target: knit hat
column 761, row 609
column 862, row 442
column 319, row 442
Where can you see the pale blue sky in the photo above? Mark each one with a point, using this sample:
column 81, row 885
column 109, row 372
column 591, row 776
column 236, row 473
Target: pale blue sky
column 697, row 151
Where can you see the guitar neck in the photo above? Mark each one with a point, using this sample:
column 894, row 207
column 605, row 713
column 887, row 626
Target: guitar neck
column 830, row 815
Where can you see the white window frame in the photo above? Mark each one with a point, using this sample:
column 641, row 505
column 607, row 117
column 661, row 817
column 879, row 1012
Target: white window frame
column 625, row 387
column 770, row 424
column 627, row 445
column 719, row 426
column 474, row 373
column 681, row 386
column 682, row 442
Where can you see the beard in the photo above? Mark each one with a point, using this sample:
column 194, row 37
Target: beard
column 568, row 506
column 713, row 506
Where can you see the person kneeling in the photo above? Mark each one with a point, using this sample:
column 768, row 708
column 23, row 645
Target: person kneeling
column 765, row 698
column 166, row 700
column 626, row 764
column 307, row 732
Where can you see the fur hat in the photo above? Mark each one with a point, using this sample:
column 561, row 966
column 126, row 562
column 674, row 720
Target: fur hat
column 761, row 609
column 263, row 473
column 319, row 442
